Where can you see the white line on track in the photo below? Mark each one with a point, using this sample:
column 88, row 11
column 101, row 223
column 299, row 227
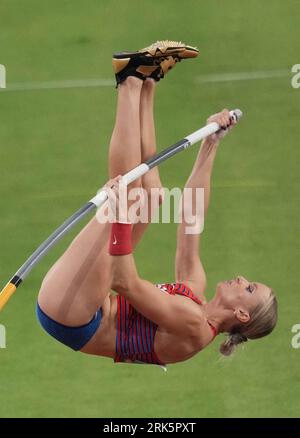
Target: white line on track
column 242, row 76
column 244, row 184
column 102, row 82
column 53, row 85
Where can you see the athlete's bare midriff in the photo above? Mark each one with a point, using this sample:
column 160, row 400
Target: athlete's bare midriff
column 169, row 347
column 103, row 343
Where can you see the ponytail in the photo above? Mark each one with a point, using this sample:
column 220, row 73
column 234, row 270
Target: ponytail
column 262, row 321
column 233, row 340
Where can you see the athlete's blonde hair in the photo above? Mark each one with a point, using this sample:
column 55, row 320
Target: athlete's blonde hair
column 262, row 321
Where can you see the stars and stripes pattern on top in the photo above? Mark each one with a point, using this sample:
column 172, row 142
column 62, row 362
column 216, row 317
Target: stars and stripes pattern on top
column 135, row 335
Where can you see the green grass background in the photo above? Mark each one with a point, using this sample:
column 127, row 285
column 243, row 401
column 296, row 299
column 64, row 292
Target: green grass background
column 53, row 156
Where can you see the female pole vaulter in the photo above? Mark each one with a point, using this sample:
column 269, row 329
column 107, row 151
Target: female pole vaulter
column 154, row 324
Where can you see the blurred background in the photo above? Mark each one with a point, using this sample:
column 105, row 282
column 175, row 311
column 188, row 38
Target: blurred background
column 54, row 136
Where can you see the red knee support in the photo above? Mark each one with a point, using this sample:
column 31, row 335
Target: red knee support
column 120, row 239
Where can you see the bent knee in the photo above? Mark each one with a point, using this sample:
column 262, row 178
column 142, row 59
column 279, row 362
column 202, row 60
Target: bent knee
column 153, row 189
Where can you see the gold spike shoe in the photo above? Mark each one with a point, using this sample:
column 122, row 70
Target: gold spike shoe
column 153, row 61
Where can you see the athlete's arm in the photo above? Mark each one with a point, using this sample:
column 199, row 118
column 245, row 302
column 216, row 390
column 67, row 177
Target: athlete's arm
column 188, row 265
column 177, row 316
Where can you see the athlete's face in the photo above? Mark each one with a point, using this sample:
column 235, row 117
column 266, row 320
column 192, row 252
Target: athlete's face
column 240, row 293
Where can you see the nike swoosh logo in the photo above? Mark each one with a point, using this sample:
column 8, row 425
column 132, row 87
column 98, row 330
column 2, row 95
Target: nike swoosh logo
column 115, row 240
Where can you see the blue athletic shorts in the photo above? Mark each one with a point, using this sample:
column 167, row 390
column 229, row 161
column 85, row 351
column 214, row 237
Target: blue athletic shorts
column 74, row 337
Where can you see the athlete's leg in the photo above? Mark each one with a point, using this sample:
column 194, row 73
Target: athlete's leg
column 148, row 149
column 125, row 145
column 78, row 283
